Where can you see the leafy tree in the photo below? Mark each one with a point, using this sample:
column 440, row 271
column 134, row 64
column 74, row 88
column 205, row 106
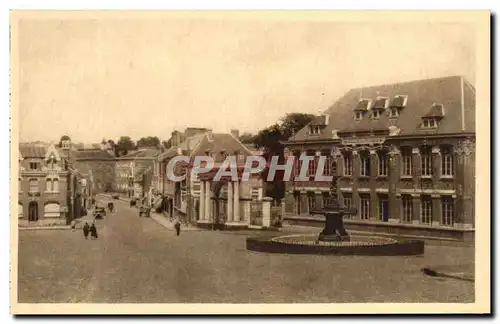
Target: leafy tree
column 270, row 138
column 150, row 141
column 124, row 145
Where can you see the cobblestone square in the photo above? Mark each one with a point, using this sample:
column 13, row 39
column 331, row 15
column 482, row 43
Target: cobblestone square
column 138, row 260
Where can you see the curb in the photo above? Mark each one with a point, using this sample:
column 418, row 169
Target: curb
column 44, row 228
column 433, row 273
column 191, row 229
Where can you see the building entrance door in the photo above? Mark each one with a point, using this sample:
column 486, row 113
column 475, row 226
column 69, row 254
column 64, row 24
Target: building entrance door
column 384, row 210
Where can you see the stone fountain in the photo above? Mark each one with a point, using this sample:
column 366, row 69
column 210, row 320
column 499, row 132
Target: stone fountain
column 334, row 230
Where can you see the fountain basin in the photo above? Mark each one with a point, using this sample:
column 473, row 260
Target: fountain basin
column 358, row 245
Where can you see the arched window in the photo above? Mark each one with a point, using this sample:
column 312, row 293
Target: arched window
column 55, row 185
column 48, row 183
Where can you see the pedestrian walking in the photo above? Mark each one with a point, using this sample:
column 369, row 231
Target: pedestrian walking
column 178, row 228
column 93, row 232
column 86, row 230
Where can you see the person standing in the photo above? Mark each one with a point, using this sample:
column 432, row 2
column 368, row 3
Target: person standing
column 177, row 228
column 93, row 231
column 86, row 230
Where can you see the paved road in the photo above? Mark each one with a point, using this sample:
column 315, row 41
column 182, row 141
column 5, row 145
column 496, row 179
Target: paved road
column 137, row 260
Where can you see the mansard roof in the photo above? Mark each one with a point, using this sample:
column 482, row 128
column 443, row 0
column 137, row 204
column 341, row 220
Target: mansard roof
column 414, row 100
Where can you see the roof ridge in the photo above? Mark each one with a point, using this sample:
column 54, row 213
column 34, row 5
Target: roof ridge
column 406, row 82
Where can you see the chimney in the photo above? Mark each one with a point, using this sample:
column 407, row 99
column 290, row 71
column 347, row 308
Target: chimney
column 235, row 133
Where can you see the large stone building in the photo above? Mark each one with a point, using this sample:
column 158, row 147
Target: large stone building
column 405, row 156
column 134, row 172
column 202, row 201
column 51, row 191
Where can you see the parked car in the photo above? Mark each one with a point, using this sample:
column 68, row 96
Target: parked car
column 115, row 196
column 99, row 212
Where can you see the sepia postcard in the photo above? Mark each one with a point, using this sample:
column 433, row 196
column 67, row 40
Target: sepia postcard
column 196, row 162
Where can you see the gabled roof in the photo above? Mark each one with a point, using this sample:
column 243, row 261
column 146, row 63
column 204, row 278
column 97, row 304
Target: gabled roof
column 32, row 150
column 93, row 154
column 208, row 142
column 421, row 95
column 52, row 151
column 142, row 153
column 437, row 110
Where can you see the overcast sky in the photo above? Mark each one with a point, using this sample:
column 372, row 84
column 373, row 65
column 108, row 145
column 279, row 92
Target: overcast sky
column 106, row 78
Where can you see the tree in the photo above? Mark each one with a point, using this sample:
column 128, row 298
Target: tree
column 124, row 145
column 270, row 138
column 150, row 141
column 63, row 138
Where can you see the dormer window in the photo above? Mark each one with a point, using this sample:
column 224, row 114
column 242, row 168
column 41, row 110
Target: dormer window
column 399, row 101
column 429, row 123
column 361, row 108
column 376, row 114
column 394, row 112
column 435, row 114
column 315, row 130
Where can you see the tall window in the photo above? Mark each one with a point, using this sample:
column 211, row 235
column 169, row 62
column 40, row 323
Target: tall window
column 448, row 211
column 446, row 161
column 426, row 161
column 33, row 185
column 347, row 164
column 327, row 170
column 383, row 164
column 426, row 210
column 365, row 165
column 312, row 201
column 383, row 209
column 407, row 209
column 406, row 159
column 365, row 208
column 311, row 170
column 347, row 203
column 254, row 192
column 33, row 165
column 55, row 185
column 48, row 183
column 296, row 164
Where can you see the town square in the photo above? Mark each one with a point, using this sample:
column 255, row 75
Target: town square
column 218, row 161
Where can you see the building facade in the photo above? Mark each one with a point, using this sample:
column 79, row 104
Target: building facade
column 49, row 187
column 134, row 172
column 201, row 200
column 405, row 156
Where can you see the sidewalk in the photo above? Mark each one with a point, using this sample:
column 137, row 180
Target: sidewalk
column 461, row 271
column 159, row 218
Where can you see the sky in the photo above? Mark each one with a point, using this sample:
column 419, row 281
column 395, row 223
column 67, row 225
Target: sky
column 104, row 78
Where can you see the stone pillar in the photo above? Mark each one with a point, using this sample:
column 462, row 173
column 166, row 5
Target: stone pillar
column 356, row 202
column 202, row 200
column 229, row 202
column 374, row 201
column 465, row 184
column 394, row 174
column 436, row 165
column 236, row 203
column 436, row 210
column 246, row 211
column 208, row 203
column 416, row 167
column 266, row 212
column 261, row 195
column 415, row 199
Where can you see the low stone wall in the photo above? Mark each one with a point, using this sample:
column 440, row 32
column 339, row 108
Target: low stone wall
column 43, row 223
column 406, row 247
